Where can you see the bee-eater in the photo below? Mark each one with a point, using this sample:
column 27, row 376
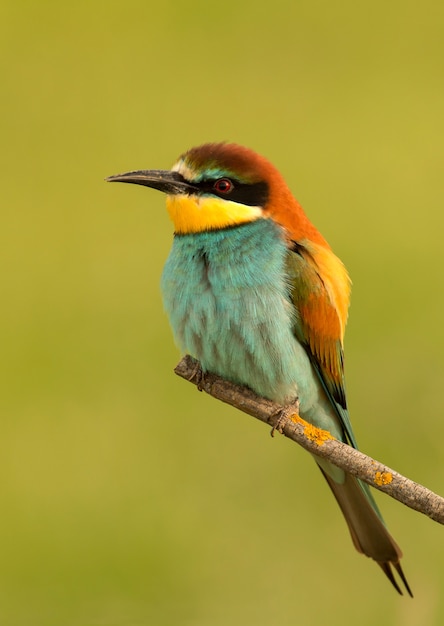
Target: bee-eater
column 255, row 293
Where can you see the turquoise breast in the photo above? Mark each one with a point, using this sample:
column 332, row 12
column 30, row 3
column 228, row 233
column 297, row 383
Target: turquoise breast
column 226, row 296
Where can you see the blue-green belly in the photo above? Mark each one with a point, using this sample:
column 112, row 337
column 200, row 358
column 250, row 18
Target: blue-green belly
column 226, row 295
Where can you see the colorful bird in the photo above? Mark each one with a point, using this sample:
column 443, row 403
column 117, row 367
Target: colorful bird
column 255, row 293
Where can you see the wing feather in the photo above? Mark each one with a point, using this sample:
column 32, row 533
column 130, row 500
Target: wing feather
column 320, row 292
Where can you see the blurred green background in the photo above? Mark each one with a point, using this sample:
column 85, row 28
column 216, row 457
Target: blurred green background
column 127, row 498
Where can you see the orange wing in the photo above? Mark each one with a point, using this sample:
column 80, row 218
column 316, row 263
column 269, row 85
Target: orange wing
column 320, row 292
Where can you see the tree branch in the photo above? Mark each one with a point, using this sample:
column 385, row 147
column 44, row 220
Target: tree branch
column 317, row 441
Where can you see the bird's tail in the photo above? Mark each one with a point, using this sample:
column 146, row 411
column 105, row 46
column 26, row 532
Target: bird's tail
column 369, row 534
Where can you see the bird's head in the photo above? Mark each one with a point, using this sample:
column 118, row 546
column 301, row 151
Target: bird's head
column 221, row 185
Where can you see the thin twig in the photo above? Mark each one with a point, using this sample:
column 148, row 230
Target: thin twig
column 317, row 441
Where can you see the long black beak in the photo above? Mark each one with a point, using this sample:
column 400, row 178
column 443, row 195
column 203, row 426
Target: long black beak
column 163, row 180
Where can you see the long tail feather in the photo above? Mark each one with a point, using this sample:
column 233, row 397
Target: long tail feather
column 368, row 532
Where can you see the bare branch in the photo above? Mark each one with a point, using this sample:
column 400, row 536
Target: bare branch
column 317, row 441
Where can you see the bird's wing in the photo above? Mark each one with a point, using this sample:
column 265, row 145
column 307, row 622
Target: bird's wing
column 320, row 291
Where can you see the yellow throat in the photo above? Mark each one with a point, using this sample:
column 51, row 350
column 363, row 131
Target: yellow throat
column 193, row 214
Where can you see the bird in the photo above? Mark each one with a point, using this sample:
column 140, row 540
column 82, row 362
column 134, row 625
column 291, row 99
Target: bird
column 255, row 293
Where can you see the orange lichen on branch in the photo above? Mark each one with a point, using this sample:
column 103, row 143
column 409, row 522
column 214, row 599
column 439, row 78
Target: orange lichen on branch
column 318, row 435
column 383, row 478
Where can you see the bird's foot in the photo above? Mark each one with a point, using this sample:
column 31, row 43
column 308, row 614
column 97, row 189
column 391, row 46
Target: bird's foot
column 197, row 376
column 283, row 414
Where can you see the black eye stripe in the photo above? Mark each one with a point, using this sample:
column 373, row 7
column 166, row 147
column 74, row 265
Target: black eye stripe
column 251, row 194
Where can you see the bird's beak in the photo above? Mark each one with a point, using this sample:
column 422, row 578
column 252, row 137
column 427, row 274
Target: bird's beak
column 164, row 180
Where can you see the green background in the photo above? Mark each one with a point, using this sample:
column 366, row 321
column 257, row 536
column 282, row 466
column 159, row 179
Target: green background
column 127, row 498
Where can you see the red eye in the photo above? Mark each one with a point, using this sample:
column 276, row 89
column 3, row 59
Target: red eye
column 223, row 185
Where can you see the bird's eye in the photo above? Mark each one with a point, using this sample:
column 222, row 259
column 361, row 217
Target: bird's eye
column 223, row 185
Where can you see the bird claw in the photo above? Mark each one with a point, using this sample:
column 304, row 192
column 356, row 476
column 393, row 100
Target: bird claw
column 282, row 415
column 197, row 376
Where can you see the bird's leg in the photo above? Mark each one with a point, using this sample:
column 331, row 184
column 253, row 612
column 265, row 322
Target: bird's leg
column 283, row 414
column 197, row 376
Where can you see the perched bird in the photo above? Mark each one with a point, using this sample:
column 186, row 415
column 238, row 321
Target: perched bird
column 255, row 293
